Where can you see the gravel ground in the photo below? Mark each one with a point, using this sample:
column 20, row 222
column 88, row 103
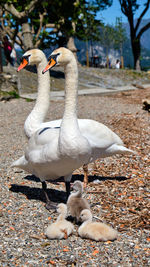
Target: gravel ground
column 118, row 189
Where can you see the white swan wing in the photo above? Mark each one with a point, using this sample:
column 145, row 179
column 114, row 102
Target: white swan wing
column 98, row 134
column 54, row 123
column 104, row 141
column 42, row 146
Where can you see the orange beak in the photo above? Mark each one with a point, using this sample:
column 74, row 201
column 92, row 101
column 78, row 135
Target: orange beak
column 50, row 65
column 23, row 64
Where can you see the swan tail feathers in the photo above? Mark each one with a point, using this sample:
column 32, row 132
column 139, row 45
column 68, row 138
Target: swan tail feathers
column 126, row 150
column 120, row 149
column 21, row 163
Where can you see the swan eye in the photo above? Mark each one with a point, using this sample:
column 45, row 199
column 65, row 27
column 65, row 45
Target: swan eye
column 54, row 57
column 52, row 61
column 25, row 57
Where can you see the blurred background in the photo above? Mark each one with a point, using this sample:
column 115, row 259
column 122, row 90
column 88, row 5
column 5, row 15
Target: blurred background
column 98, row 32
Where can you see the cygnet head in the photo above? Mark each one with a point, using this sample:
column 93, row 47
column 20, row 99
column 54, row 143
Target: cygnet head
column 85, row 215
column 59, row 57
column 31, row 57
column 77, row 186
column 62, row 209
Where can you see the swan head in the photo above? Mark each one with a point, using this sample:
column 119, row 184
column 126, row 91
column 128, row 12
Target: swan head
column 59, row 57
column 31, row 57
column 85, row 215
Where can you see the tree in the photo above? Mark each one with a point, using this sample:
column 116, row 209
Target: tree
column 119, row 38
column 128, row 8
column 23, row 22
column 87, row 28
column 107, row 39
column 36, row 23
column 79, row 20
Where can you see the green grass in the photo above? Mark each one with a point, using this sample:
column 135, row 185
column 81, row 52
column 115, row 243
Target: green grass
column 14, row 94
column 29, row 100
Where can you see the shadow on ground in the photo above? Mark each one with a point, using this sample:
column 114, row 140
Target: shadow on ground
column 80, row 177
column 37, row 193
column 54, row 195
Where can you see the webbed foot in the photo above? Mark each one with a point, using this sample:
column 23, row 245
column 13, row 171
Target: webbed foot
column 51, row 205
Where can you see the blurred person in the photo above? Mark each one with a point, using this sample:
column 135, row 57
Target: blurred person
column 7, row 50
column 117, row 64
column 13, row 56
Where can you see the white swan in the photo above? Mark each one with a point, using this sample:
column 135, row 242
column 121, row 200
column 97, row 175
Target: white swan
column 53, row 152
column 61, row 228
column 104, row 141
column 95, row 230
column 35, row 119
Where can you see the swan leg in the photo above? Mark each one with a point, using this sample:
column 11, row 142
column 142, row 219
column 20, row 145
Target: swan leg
column 67, row 180
column 85, row 169
column 67, row 189
column 49, row 204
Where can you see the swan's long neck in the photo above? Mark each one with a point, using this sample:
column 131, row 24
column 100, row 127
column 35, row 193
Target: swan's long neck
column 69, row 127
column 37, row 115
column 71, row 91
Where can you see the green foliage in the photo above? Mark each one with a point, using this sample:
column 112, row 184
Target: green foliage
column 113, row 37
column 29, row 100
column 70, row 17
column 107, row 36
column 119, row 35
column 14, row 94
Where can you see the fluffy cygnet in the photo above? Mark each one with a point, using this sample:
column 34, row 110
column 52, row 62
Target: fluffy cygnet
column 61, row 228
column 75, row 201
column 95, row 230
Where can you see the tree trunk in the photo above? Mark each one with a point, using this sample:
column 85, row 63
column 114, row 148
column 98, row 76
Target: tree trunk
column 107, row 62
column 87, row 54
column 122, row 62
column 121, row 56
column 136, row 49
column 71, row 46
column 1, row 66
column 27, row 36
column 107, row 58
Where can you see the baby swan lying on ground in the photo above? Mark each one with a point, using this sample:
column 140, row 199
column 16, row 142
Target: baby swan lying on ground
column 75, row 201
column 61, row 228
column 95, row 230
